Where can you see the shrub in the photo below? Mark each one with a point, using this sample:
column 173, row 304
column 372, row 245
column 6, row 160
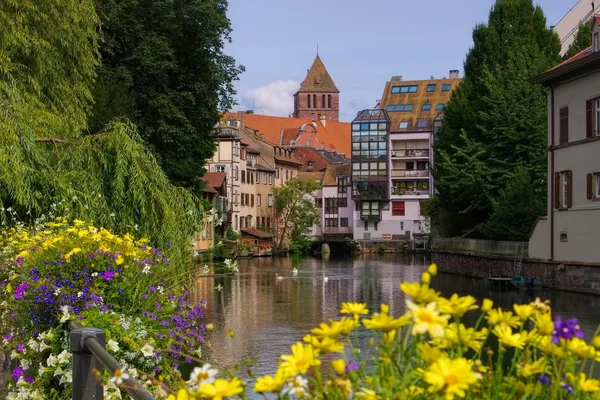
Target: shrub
column 57, row 272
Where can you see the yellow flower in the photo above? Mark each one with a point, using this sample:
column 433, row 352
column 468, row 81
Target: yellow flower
column 339, row 366
column 385, row 323
column 324, row 330
column 580, row 348
column 220, row 389
column 596, row 342
column 534, row 368
column 457, row 306
column 451, row 376
column 412, row 391
column 355, row 309
column 420, row 294
column 182, row 394
column 499, row 317
column 546, row 345
column 580, row 382
column 325, row 344
column 487, row 305
column 504, row 333
column 270, row 383
column 388, row 337
column 302, row 358
column 77, row 223
column 468, row 337
column 8, row 288
column 119, row 260
column 429, row 353
column 425, row 278
column 367, row 394
column 346, row 325
column 427, row 319
column 523, row 311
column 432, row 270
column 542, row 307
column 344, row 384
column 544, row 324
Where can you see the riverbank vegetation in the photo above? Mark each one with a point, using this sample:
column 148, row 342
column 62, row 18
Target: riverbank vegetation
column 493, row 140
column 526, row 352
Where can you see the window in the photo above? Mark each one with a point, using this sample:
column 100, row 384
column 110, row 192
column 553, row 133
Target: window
column 331, row 222
column 243, row 176
column 258, row 200
column 236, row 222
column 308, row 142
column 422, row 123
column 328, row 101
column 426, row 107
column 592, row 118
column 342, row 202
column 257, row 178
column 399, row 108
column 251, row 200
column 270, row 200
column 235, row 172
column 593, row 186
column 250, row 178
column 319, row 203
column 402, row 225
column 236, row 199
column 264, row 178
column 344, row 222
column 405, row 89
column 277, row 172
column 563, row 190
column 597, row 181
column 219, row 168
column 440, row 107
column 286, row 175
column 446, row 87
column 564, row 125
column 431, row 87
column 243, row 154
column 331, row 205
column 308, row 101
column 404, row 125
column 398, row 208
column 270, row 179
column 323, row 101
column 370, row 208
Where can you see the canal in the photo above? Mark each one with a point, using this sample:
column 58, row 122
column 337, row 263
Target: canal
column 268, row 315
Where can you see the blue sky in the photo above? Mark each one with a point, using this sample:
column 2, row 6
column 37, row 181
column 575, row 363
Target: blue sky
column 362, row 43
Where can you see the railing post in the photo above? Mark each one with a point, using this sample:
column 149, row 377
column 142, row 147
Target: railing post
column 86, row 385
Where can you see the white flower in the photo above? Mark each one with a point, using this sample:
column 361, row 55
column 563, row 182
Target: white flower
column 52, row 360
column 64, row 357
column 160, row 289
column 200, row 376
column 198, row 351
column 113, row 346
column 65, row 313
column 296, row 387
column 33, row 345
column 42, row 370
column 43, row 346
column 25, row 364
column 219, row 287
column 134, row 373
column 14, row 355
column 136, row 227
column 59, row 371
column 79, row 294
column 205, row 270
column 67, row 377
column 119, row 376
column 94, row 274
column 46, row 335
column 147, row 350
column 146, row 269
column 111, row 392
column 112, row 214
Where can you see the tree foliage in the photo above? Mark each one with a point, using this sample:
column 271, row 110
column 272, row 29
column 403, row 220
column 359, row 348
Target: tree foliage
column 47, row 167
column 164, row 68
column 495, row 120
column 294, row 210
column 583, row 39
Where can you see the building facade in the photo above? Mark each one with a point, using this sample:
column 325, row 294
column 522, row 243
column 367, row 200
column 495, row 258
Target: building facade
column 571, row 228
column 318, row 96
column 567, row 27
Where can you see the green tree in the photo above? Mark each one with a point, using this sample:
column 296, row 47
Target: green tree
column 515, row 211
column 164, row 68
column 47, row 167
column 583, row 39
column 294, row 210
column 495, row 120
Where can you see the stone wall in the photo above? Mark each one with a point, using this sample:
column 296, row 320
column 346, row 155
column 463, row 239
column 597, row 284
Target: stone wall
column 579, row 277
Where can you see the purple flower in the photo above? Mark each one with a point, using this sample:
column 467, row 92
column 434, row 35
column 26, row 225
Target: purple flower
column 545, row 380
column 565, row 329
column 20, row 347
column 108, row 275
column 29, row 379
column 351, row 366
column 17, row 373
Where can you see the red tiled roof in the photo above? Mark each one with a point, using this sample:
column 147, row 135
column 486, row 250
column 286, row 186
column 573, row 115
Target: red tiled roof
column 209, row 189
column 215, row 179
column 257, row 233
column 583, row 53
column 307, row 154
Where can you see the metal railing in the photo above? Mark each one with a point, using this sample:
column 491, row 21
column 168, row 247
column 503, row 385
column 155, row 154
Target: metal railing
column 410, row 153
column 89, row 355
column 336, row 230
column 412, row 173
column 480, row 246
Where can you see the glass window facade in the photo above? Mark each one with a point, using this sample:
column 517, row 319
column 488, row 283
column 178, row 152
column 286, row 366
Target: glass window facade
column 446, row 87
column 399, row 108
column 426, row 107
column 405, row 89
column 431, row 87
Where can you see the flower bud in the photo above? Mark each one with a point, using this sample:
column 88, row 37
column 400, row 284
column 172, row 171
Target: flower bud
column 487, row 305
column 425, row 278
column 210, row 327
column 432, row 269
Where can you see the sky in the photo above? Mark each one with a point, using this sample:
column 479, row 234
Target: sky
column 362, row 43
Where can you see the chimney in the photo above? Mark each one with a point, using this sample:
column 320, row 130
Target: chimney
column 454, row 74
column 397, row 78
column 241, row 119
column 323, row 120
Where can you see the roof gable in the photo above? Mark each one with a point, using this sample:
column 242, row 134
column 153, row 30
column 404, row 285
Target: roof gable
column 318, row 79
column 215, row 179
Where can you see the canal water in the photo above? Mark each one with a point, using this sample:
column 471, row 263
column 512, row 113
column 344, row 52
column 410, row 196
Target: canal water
column 268, row 314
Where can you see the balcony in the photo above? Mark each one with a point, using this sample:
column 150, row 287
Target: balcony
column 336, row 230
column 413, row 173
column 418, row 153
column 226, row 132
column 411, row 193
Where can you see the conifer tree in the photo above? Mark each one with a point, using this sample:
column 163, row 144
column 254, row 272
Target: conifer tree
column 495, row 120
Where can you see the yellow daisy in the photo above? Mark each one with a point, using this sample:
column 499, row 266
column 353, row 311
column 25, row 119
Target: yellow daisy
column 508, row 338
column 457, row 306
column 302, row 358
column 454, row 377
column 420, row 294
column 427, row 319
column 354, row 309
column 221, row 389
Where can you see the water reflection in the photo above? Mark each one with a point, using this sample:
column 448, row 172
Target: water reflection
column 269, row 314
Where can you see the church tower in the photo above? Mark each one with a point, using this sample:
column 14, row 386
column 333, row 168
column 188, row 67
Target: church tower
column 318, row 96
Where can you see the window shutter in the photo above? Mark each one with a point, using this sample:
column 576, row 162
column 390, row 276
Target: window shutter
column 588, row 119
column 569, row 189
column 590, row 193
column 251, row 200
column 557, row 190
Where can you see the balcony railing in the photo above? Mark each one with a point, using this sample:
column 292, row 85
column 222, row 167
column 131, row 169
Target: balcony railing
column 226, row 131
column 424, row 153
column 406, row 192
column 413, row 173
column 336, row 230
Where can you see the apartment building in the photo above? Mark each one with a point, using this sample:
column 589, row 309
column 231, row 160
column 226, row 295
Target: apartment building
column 337, row 211
column 570, row 230
column 581, row 12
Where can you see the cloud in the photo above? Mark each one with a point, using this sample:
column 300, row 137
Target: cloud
column 275, row 98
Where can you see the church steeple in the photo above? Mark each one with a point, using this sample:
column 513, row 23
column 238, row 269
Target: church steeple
column 318, row 96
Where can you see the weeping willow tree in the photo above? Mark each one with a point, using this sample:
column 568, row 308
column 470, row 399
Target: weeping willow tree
column 48, row 55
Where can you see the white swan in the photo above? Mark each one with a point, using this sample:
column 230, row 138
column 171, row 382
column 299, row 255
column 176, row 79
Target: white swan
column 277, row 276
column 295, row 271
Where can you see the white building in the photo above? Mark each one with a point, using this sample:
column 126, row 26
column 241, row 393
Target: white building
column 568, row 26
